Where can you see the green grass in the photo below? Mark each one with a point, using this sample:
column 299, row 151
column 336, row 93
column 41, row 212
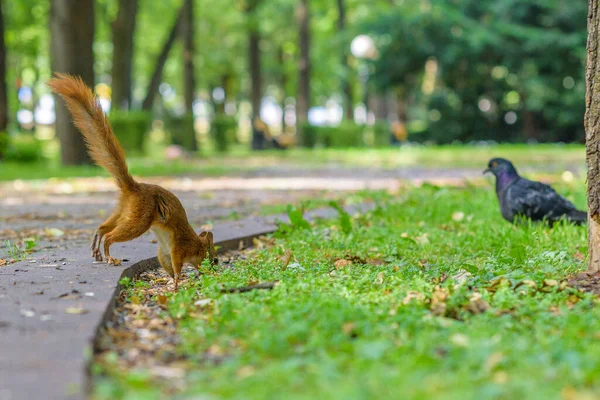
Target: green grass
column 16, row 253
column 444, row 156
column 444, row 300
column 240, row 159
column 139, row 167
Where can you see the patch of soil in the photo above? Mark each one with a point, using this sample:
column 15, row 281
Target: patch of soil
column 586, row 282
column 143, row 335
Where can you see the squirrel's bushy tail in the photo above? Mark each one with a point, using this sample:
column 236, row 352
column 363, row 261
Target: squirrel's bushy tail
column 91, row 121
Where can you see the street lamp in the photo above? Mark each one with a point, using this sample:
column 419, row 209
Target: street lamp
column 363, row 48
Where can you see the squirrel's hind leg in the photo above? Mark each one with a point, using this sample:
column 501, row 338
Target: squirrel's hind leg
column 102, row 230
column 124, row 232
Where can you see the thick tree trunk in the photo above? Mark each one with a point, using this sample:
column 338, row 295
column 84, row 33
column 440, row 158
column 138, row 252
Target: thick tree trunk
column 72, row 38
column 592, row 134
column 303, row 97
column 3, row 88
column 160, row 63
column 189, row 80
column 529, row 123
column 345, row 84
column 123, row 28
column 254, row 65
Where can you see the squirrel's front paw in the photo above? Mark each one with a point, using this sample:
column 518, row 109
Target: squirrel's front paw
column 113, row 261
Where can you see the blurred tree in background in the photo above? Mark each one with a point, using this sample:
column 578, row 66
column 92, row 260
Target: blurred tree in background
column 444, row 71
column 468, row 70
column 123, row 29
column 3, row 94
column 71, row 49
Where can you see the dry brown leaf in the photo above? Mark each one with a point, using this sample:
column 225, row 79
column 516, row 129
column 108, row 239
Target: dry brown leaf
column 286, row 258
column 203, row 302
column 339, row 264
column 550, row 282
column 438, row 301
column 376, row 261
column 258, row 244
column 422, row 239
column 413, row 295
column 496, row 284
column 570, row 393
column 477, row 305
column 458, row 216
column 215, row 351
column 245, row 371
column 348, row 328
column 76, row 310
column 500, row 377
column 162, row 299
column 460, row 340
column 493, row 360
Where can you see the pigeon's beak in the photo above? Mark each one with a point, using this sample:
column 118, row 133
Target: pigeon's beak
column 487, row 171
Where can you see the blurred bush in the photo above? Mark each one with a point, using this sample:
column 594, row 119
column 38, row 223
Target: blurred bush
column 309, row 136
column 382, row 135
column 131, row 128
column 23, row 148
column 347, row 134
column 178, row 128
column 223, row 130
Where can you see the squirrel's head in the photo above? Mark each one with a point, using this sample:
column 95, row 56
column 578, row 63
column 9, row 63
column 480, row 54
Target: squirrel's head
column 207, row 248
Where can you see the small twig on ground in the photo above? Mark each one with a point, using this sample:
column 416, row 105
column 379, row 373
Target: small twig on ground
column 242, row 289
column 286, row 258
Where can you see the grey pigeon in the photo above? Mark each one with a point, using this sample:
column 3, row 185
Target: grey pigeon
column 520, row 197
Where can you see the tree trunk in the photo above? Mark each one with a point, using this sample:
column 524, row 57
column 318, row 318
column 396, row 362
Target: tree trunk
column 283, row 81
column 3, row 88
column 72, row 38
column 379, row 107
column 303, row 97
column 226, row 86
column 123, row 28
column 189, row 81
column 592, row 135
column 160, row 63
column 254, row 65
column 345, row 84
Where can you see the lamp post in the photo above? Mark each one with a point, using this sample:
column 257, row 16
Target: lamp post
column 363, row 48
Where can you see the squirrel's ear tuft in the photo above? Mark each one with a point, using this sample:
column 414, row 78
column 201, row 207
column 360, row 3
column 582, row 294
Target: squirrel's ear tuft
column 203, row 234
column 209, row 236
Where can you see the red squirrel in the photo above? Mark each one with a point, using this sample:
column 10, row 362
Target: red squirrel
column 140, row 206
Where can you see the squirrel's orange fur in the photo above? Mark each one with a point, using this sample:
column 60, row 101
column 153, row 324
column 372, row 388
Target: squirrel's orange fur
column 141, row 206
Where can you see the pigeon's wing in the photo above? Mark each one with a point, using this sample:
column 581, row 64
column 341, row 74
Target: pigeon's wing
column 537, row 201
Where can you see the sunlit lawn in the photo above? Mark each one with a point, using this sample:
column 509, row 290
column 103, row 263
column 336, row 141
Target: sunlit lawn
column 442, row 299
column 240, row 159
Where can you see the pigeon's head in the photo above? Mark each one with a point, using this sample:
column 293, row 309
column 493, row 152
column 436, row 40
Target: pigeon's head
column 500, row 166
